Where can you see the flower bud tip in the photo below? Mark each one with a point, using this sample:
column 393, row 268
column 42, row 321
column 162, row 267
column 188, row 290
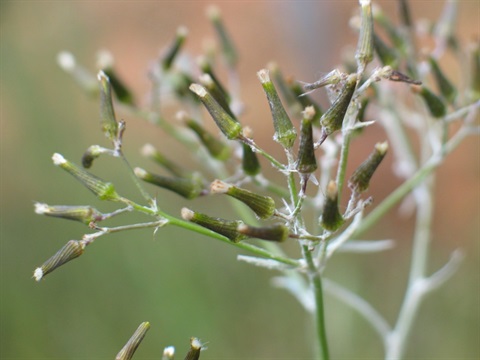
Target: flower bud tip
column 263, row 76
column 66, row 60
column 219, row 187
column 58, row 159
column 187, row 214
column 139, row 172
column 41, row 208
column 198, row 89
column 169, row 351
column 101, row 76
column 38, row 274
column 148, row 150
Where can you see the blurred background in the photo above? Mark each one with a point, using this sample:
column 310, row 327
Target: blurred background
column 188, row 285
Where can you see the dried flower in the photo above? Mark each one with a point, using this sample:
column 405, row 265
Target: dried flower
column 84, row 214
column 306, row 163
column 276, row 232
column 103, row 190
column 228, row 125
column 263, row 206
column 71, row 250
column 227, row 228
column 131, row 346
column 331, row 217
column 195, row 348
column 285, row 133
column 360, row 179
column 189, row 188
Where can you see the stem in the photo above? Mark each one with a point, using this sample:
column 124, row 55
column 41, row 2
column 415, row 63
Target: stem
column 316, row 281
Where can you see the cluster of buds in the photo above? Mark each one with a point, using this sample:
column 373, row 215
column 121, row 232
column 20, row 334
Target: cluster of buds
column 129, row 349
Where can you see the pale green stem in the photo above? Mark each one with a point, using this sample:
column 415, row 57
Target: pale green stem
column 316, row 282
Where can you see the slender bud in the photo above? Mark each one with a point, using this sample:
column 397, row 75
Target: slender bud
column 364, row 54
column 149, row 151
column 131, row 346
column 285, row 133
column 392, row 30
column 331, row 217
column 228, row 125
column 103, row 190
column 84, row 214
column 435, row 105
column 228, row 48
column 306, row 163
column 475, row 71
column 262, row 206
column 360, row 179
column 332, row 78
column 171, row 53
column 107, row 114
column 332, row 119
column 121, row 91
column 276, row 232
column 195, row 348
column 206, row 68
column 405, row 14
column 70, row 251
column 91, row 154
column 447, row 90
column 250, row 162
column 218, row 149
column 82, row 76
column 168, row 353
column 189, row 188
column 288, row 95
column 227, row 228
column 217, row 93
column 387, row 55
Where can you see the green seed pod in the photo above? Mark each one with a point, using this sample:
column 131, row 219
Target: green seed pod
column 216, row 93
column 70, row 251
column 332, row 119
column 387, row 55
column 206, row 68
column 331, row 217
column 189, row 188
column 306, row 163
column 262, row 206
column 285, row 133
column 276, row 232
column 195, row 348
column 227, row 228
column 435, row 105
column 218, row 149
column 131, row 346
column 447, row 90
column 103, row 190
column 364, row 54
column 250, row 162
column 169, row 55
column 107, row 114
column 475, row 72
column 228, row 125
column 360, row 179
column 91, row 154
column 83, row 214
column 149, row 151
column 228, row 48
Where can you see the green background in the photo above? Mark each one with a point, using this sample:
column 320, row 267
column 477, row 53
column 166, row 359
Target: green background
column 188, row 285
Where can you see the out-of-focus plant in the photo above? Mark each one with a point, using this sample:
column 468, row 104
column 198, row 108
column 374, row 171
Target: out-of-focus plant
column 317, row 148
